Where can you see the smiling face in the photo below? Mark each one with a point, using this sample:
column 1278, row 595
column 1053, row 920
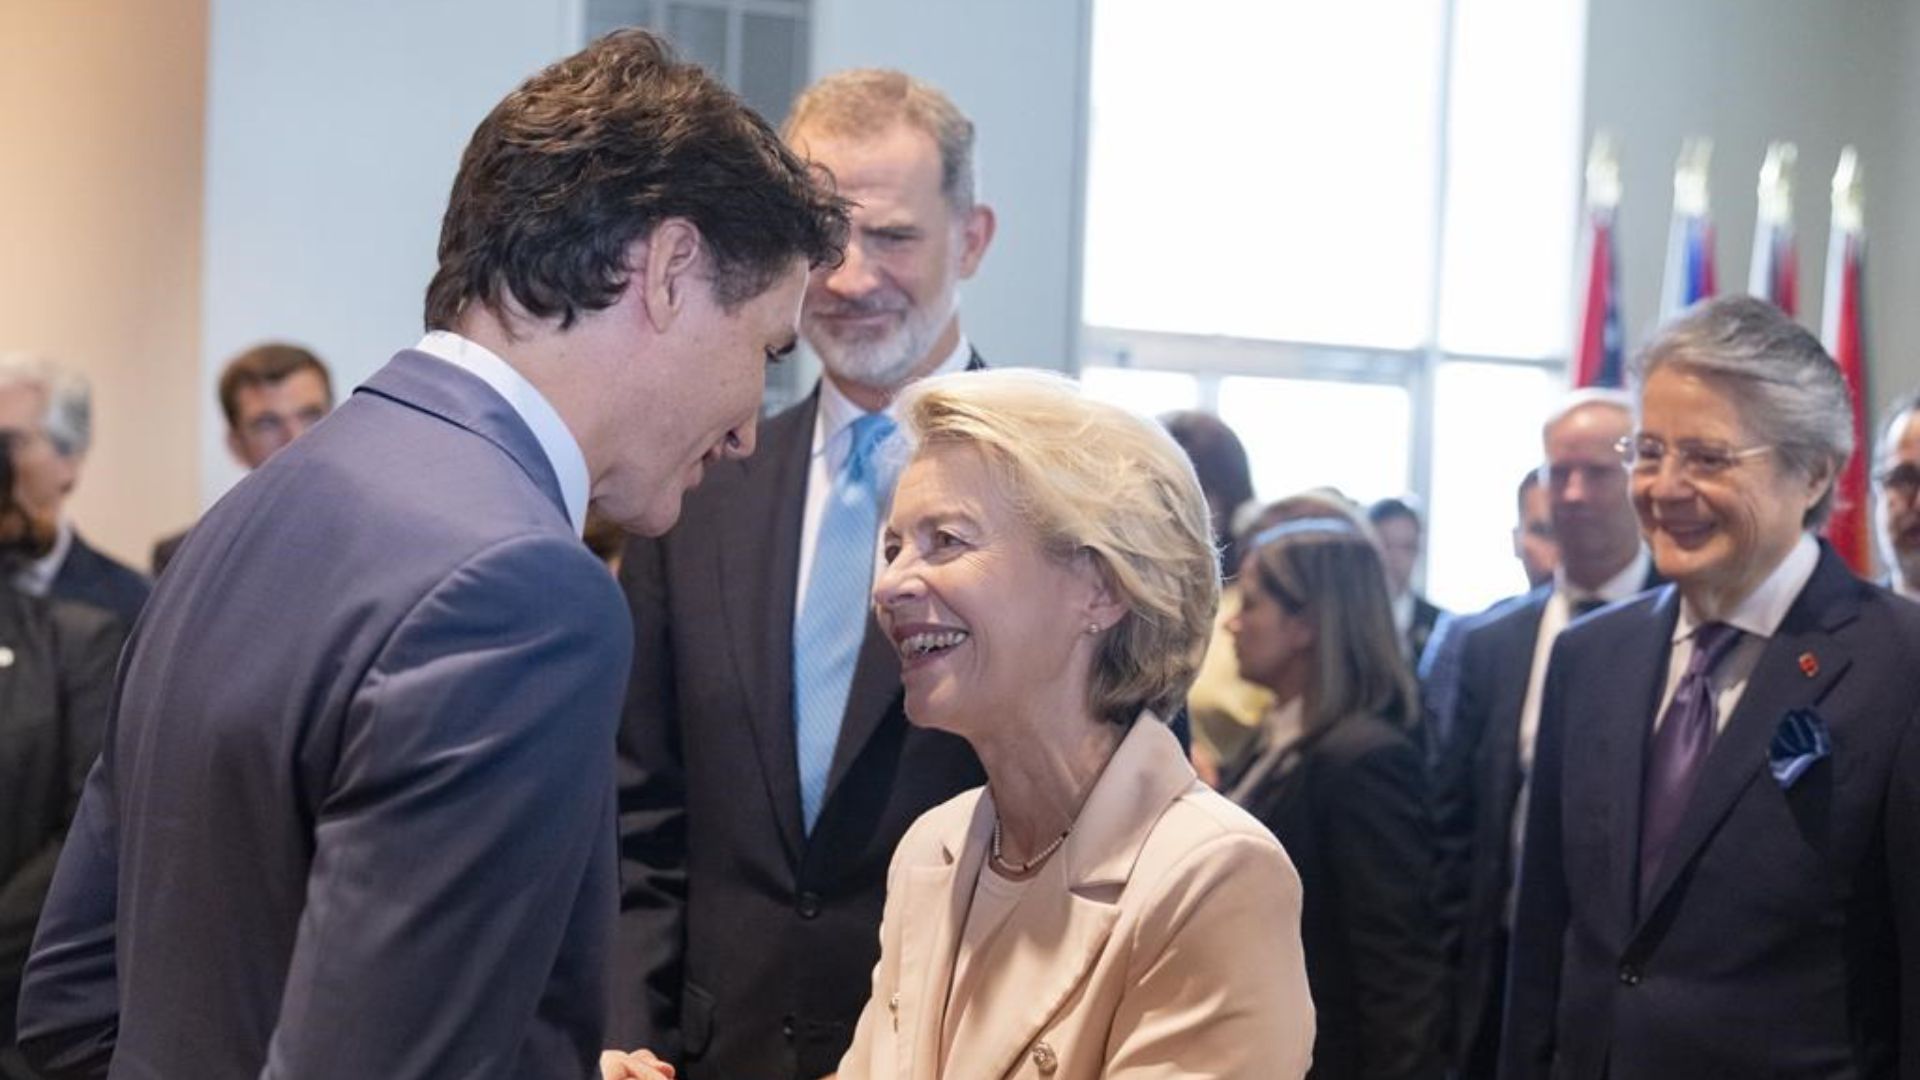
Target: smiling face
column 889, row 311
column 989, row 626
column 1717, row 536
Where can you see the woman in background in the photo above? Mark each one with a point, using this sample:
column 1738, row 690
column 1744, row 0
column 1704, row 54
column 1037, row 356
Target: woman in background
column 1338, row 778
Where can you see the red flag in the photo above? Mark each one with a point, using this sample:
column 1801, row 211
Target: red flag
column 1597, row 353
column 1844, row 332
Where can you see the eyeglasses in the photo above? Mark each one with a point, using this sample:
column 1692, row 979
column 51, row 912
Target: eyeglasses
column 1902, row 479
column 1697, row 460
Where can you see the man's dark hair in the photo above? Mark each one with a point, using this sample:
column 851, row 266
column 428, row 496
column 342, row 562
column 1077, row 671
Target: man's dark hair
column 264, row 365
column 1389, row 508
column 587, row 156
column 1220, row 461
column 1528, row 481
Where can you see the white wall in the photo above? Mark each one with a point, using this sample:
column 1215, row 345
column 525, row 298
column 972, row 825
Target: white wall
column 100, row 131
column 1018, row 68
column 334, row 128
column 1746, row 72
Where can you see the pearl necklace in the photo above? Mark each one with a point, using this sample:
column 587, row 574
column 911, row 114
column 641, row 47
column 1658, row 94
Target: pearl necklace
column 1018, row 869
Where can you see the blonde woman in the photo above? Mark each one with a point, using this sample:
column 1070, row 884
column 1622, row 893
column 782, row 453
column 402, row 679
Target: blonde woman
column 1094, row 911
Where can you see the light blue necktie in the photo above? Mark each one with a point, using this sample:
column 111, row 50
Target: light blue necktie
column 833, row 615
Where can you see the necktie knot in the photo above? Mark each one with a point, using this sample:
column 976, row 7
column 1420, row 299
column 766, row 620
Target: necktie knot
column 1711, row 644
column 870, row 433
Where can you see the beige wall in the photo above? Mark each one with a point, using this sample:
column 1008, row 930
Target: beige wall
column 101, row 139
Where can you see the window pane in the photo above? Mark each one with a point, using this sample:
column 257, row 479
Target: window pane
column 773, row 62
column 700, row 34
column 1149, row 393
column 1263, row 170
column 1305, row 433
column 1513, row 179
column 1486, row 436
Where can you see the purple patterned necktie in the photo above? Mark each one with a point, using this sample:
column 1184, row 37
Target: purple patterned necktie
column 1680, row 748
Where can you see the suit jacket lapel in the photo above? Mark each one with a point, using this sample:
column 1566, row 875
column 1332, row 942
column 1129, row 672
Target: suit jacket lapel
column 1626, row 719
column 1776, row 687
column 934, row 905
column 757, row 582
column 1060, row 926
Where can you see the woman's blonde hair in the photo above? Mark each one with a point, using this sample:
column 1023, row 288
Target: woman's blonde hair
column 1089, row 477
column 1327, row 571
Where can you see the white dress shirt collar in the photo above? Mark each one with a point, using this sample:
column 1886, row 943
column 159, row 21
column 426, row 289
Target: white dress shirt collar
column 36, row 578
column 1631, row 579
column 558, row 443
column 1762, row 611
column 838, row 412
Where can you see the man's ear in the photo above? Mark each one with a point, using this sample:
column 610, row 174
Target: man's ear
column 665, row 266
column 976, row 232
column 237, row 448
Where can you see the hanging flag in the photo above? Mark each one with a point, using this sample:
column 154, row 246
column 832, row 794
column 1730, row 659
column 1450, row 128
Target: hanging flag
column 1775, row 276
column 1597, row 353
column 1844, row 332
column 1690, row 271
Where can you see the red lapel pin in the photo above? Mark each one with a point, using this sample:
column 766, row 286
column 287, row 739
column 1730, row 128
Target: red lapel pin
column 1809, row 664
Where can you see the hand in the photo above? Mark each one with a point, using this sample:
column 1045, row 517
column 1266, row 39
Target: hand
column 638, row 1065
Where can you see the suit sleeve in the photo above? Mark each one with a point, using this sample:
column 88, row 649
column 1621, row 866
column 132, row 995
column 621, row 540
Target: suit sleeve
column 69, row 995
column 1218, row 986
column 1541, row 913
column 1380, row 856
column 650, row 943
column 472, row 796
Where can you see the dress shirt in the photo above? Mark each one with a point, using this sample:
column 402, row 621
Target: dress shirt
column 36, row 578
column 1758, row 615
column 832, row 442
column 551, row 432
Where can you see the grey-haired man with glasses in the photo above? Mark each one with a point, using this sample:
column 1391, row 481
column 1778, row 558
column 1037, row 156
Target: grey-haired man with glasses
column 1896, row 484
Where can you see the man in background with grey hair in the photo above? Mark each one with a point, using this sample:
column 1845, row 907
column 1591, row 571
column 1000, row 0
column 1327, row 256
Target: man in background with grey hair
column 1896, row 480
column 767, row 767
column 46, row 412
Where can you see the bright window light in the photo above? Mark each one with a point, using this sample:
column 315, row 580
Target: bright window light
column 1307, row 433
column 1264, row 170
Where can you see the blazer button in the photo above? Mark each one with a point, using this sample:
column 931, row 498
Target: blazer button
column 1629, row 975
column 1045, row 1059
column 809, row 905
column 786, row 1026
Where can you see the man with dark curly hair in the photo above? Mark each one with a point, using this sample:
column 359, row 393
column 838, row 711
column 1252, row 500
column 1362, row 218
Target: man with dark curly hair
column 355, row 812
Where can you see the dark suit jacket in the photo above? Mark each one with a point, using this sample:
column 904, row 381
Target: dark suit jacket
column 354, row 816
column 165, row 548
column 1349, row 805
column 747, row 945
column 55, row 678
column 88, row 577
column 1782, row 934
column 1476, row 790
